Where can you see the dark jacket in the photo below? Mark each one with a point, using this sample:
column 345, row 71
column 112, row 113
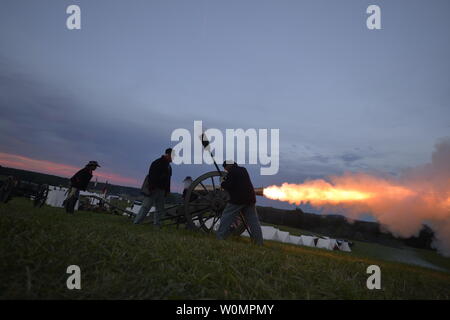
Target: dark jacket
column 238, row 184
column 159, row 175
column 81, row 179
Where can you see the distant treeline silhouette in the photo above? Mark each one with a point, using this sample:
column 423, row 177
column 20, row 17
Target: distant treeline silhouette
column 338, row 226
column 42, row 178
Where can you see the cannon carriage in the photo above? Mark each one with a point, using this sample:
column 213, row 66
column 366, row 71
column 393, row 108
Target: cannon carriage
column 13, row 187
column 202, row 206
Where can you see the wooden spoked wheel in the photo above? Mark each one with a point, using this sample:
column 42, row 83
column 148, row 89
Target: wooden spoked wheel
column 204, row 203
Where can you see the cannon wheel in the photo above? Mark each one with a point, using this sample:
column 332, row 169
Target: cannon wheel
column 204, row 203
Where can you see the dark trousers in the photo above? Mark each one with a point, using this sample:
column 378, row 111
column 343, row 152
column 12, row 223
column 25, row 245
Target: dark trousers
column 71, row 200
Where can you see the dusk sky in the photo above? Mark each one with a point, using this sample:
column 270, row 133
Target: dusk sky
column 345, row 98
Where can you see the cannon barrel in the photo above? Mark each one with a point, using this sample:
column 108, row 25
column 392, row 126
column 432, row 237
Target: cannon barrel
column 259, row 191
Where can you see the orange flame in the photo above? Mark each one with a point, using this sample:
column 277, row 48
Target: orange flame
column 316, row 192
column 320, row 192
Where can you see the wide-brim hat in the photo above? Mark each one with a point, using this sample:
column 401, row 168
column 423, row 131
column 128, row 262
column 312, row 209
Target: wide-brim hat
column 93, row 163
column 228, row 163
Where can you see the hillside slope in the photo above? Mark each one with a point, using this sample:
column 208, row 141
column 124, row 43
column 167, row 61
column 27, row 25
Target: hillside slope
column 119, row 260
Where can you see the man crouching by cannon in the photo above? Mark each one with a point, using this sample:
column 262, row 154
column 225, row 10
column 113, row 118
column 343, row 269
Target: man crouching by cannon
column 155, row 188
column 79, row 181
column 242, row 200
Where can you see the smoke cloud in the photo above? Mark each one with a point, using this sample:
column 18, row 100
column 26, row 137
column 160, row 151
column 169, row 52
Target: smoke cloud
column 401, row 205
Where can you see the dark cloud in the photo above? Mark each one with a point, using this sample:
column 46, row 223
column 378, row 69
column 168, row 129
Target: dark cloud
column 115, row 91
column 320, row 158
column 349, row 158
column 42, row 121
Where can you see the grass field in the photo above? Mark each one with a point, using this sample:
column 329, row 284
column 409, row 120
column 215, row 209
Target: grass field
column 119, row 260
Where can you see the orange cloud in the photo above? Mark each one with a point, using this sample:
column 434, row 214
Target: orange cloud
column 44, row 166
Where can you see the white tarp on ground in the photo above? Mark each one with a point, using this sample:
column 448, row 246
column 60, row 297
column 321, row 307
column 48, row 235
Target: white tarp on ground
column 328, row 244
column 274, row 234
column 92, row 201
column 268, row 232
column 287, row 239
column 308, row 241
column 344, row 247
column 281, row 236
column 136, row 209
column 295, row 240
column 334, row 244
column 209, row 222
column 56, row 196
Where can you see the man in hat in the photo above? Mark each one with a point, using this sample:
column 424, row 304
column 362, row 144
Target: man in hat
column 155, row 188
column 79, row 181
column 242, row 200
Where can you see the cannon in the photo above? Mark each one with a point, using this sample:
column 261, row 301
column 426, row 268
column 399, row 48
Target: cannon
column 205, row 201
column 202, row 206
column 13, row 187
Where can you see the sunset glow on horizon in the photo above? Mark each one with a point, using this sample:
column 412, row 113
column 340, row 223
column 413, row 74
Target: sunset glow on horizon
column 58, row 169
